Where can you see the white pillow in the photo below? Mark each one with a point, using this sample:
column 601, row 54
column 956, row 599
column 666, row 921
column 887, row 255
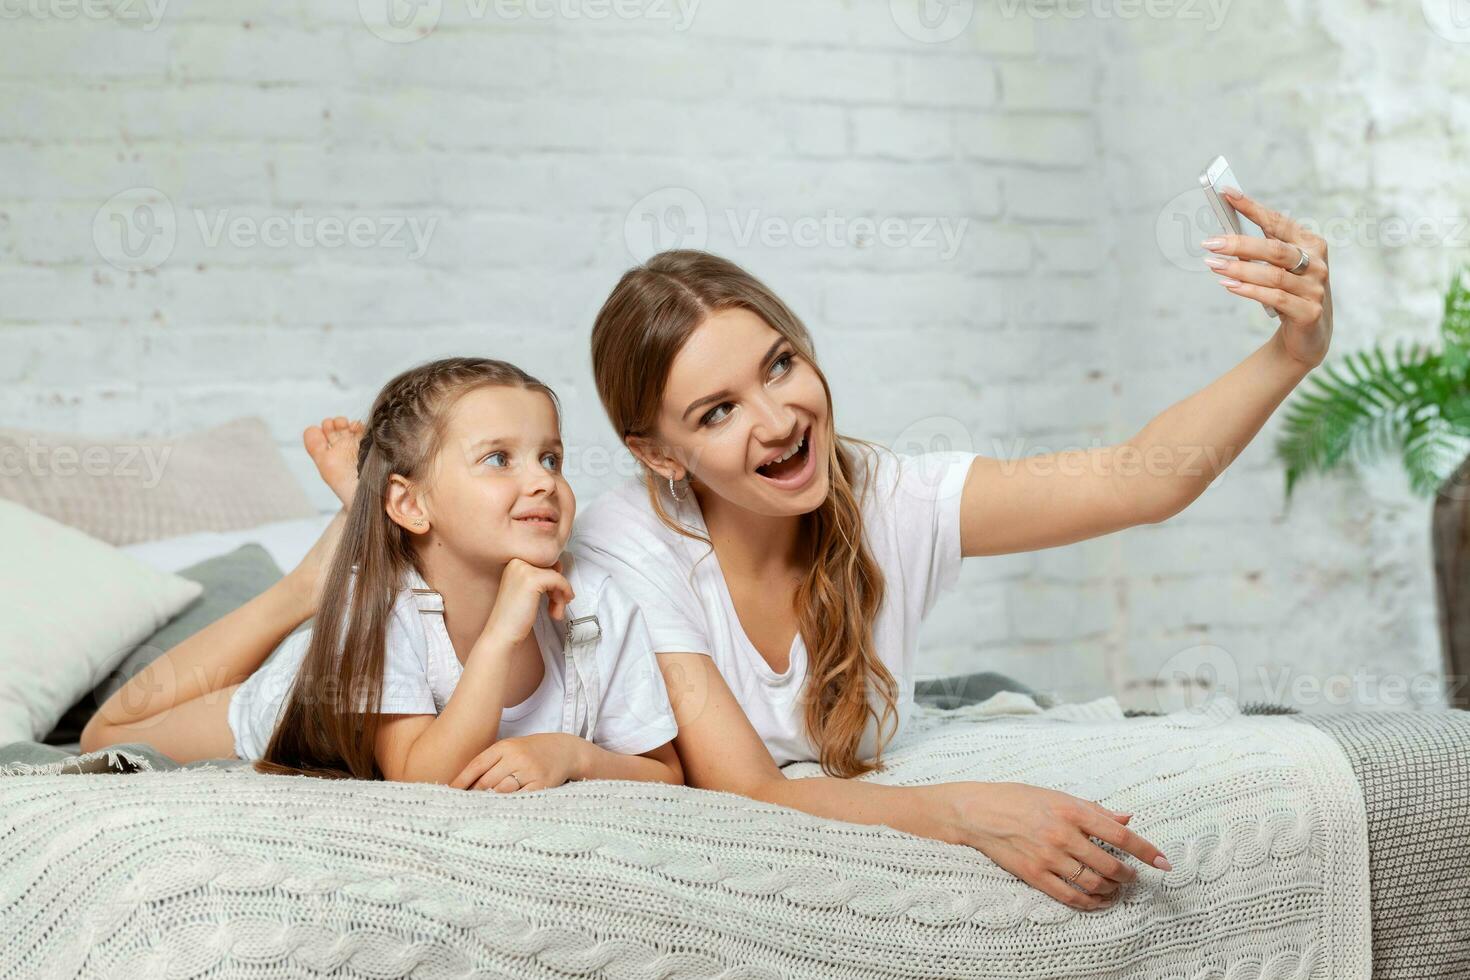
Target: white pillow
column 71, row 608
column 287, row 542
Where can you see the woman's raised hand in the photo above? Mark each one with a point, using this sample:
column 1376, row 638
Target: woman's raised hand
column 521, row 587
column 1304, row 299
column 1039, row 835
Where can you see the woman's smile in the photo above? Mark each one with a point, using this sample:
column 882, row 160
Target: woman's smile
column 791, row 470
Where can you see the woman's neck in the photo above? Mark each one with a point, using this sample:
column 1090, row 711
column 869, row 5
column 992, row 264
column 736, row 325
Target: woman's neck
column 751, row 545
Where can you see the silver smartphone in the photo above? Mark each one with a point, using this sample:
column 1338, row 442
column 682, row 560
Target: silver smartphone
column 1215, row 176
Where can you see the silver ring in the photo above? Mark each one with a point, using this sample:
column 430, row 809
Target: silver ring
column 1302, row 263
column 1077, row 874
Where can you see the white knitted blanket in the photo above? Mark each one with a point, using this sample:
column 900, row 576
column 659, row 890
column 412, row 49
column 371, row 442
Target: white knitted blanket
column 225, row 872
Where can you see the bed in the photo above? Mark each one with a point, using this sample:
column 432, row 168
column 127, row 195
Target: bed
column 122, row 863
column 1308, row 846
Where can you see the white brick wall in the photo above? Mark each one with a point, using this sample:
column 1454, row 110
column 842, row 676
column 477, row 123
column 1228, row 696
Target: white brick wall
column 540, row 151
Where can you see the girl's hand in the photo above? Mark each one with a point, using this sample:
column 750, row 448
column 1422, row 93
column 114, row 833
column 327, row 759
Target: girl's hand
column 1039, row 835
column 1303, row 299
column 526, row 762
column 521, row 587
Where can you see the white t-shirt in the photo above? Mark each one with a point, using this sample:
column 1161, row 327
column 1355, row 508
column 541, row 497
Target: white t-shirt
column 634, row 715
column 911, row 518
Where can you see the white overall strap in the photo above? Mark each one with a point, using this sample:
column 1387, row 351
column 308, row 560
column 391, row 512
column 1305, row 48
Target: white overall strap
column 583, row 686
column 436, row 635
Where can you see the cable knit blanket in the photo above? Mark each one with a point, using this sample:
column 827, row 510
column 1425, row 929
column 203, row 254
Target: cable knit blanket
column 222, row 871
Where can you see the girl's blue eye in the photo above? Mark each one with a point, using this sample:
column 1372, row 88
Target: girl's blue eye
column 788, row 357
column 707, row 417
column 555, row 461
column 493, row 455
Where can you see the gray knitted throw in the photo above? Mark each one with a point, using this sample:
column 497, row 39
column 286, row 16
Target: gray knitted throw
column 1414, row 767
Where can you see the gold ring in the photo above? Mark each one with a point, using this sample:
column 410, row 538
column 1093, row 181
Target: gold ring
column 1076, row 874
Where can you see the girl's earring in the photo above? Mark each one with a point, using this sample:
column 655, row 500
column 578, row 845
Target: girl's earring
column 418, row 523
column 673, row 492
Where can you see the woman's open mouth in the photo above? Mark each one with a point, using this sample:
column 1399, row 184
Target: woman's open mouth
column 793, row 470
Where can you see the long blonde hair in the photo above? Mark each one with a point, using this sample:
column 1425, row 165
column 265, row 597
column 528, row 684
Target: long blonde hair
column 639, row 331
column 320, row 732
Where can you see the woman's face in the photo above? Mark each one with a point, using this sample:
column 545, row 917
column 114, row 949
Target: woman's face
column 497, row 491
column 739, row 400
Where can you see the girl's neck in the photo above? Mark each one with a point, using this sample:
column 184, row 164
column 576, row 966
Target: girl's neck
column 469, row 592
column 751, row 545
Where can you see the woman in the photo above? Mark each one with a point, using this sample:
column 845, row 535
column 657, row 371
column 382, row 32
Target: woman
column 815, row 584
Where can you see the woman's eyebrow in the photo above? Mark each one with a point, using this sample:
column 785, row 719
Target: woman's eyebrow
column 725, row 393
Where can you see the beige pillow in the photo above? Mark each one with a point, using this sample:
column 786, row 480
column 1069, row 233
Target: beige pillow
column 122, row 490
column 71, row 608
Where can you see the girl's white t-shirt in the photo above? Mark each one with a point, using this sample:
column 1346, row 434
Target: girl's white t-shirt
column 911, row 519
column 634, row 715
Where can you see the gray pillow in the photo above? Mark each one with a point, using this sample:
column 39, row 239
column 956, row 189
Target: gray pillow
column 229, row 581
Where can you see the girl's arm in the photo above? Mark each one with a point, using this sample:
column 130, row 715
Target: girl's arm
column 470, row 721
column 660, row 765
column 546, row 759
column 441, row 745
column 1044, row 501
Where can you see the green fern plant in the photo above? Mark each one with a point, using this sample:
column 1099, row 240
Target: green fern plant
column 1414, row 399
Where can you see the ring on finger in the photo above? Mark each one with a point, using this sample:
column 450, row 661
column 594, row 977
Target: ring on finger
column 1301, row 263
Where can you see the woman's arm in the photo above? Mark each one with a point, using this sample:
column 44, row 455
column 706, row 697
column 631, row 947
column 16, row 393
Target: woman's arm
column 1039, row 835
column 1045, row 501
column 1013, row 505
column 721, row 750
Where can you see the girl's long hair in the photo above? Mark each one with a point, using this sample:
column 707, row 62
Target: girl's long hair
column 642, row 326
column 329, row 723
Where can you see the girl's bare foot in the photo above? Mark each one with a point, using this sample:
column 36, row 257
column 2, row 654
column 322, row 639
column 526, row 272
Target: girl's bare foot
column 310, row 575
column 332, row 446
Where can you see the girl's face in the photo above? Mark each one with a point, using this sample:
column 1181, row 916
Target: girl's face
column 497, row 491
column 738, row 399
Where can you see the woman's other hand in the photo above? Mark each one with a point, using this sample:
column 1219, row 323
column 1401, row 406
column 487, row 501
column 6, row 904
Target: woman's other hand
column 1040, row 835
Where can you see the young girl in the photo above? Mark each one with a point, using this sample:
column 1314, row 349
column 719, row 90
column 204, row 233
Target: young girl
column 433, row 653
